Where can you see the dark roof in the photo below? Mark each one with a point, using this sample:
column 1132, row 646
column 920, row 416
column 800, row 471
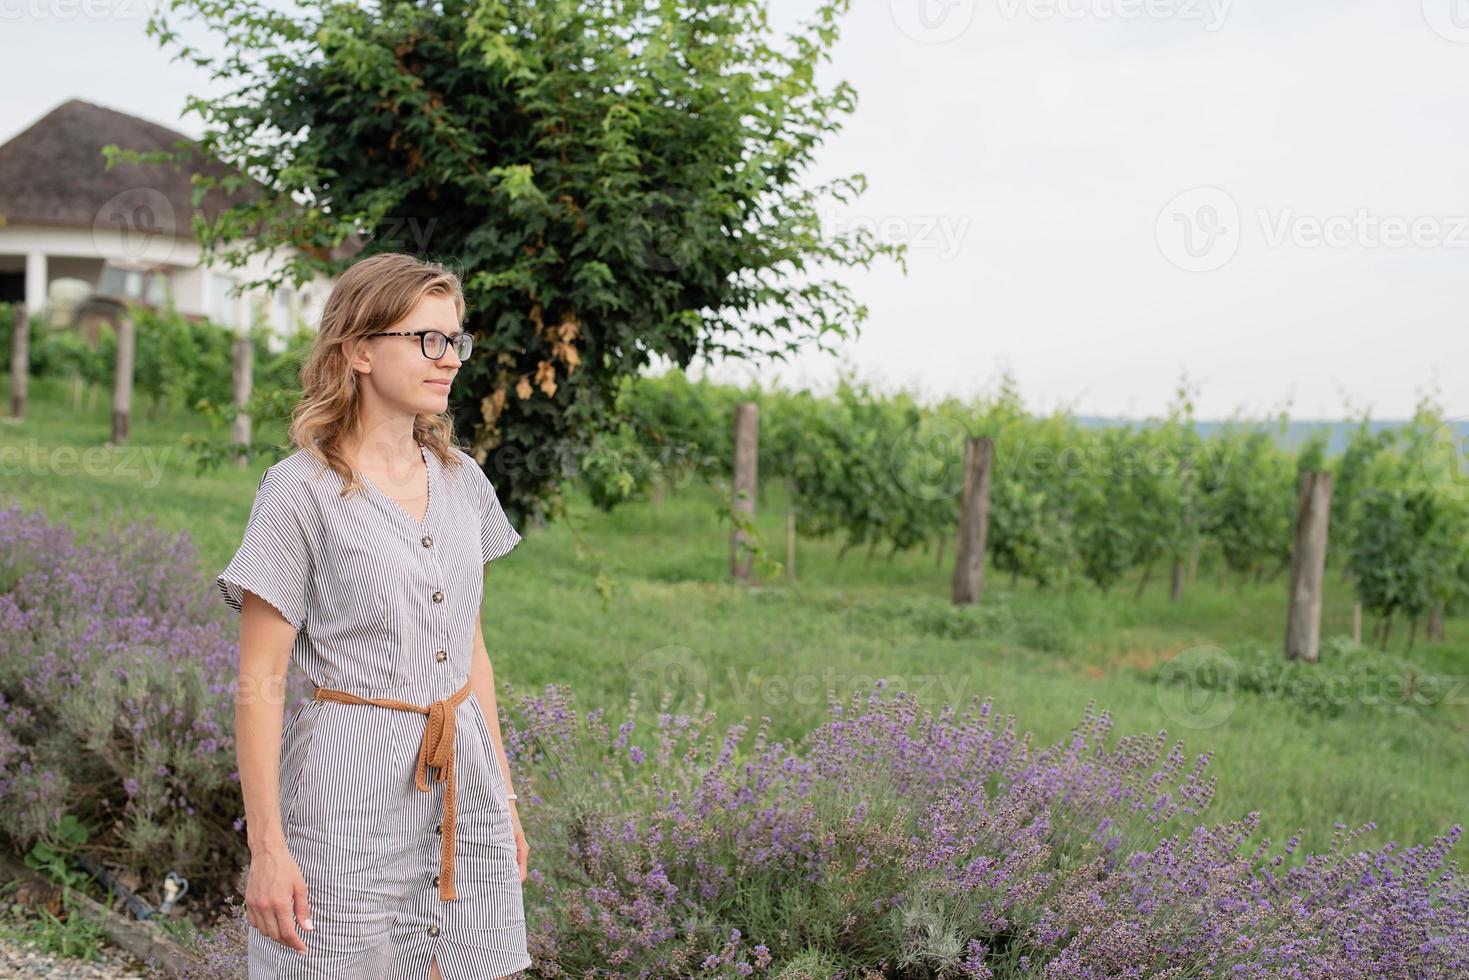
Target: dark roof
column 53, row 173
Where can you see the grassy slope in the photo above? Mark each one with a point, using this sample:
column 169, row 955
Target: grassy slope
column 775, row 650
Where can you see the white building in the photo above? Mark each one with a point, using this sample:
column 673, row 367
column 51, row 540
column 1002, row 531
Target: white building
column 76, row 237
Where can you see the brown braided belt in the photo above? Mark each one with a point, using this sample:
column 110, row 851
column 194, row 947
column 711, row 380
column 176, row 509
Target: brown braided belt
column 437, row 750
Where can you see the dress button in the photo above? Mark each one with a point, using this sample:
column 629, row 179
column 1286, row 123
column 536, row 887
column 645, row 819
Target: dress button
column 441, row 656
column 438, row 828
column 428, row 542
column 436, row 881
column 433, row 930
column 438, row 597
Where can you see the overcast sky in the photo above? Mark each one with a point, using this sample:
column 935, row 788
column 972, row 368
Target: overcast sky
column 1097, row 194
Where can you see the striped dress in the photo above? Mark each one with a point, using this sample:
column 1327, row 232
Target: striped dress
column 385, row 607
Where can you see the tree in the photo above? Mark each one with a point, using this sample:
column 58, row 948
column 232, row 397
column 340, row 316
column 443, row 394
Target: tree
column 614, row 181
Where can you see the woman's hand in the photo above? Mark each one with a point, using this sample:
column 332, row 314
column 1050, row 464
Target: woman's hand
column 522, row 849
column 275, row 896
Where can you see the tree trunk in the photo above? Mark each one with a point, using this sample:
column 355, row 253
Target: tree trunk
column 243, row 376
column 747, row 434
column 1143, row 582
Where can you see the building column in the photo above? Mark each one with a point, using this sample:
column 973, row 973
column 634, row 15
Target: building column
column 35, row 282
column 244, row 312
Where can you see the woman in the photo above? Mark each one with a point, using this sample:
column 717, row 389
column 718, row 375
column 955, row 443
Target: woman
column 380, row 815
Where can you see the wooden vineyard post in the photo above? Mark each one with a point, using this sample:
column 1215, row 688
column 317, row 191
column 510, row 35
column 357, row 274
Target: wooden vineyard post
column 1308, row 567
column 20, row 361
column 746, row 456
column 1357, row 623
column 122, row 381
column 243, row 358
column 974, row 515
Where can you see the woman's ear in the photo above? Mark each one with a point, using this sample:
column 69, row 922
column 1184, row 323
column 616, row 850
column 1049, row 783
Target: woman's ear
column 356, row 353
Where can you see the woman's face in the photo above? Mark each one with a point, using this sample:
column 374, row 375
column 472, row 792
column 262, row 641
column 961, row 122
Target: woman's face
column 395, row 369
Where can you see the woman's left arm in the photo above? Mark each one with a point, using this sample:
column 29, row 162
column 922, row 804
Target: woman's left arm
column 482, row 683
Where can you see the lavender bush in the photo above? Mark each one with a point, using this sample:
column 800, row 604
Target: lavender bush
column 895, row 843
column 889, row 842
column 117, row 682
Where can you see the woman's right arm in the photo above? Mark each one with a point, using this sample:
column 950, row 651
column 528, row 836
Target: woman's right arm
column 275, row 895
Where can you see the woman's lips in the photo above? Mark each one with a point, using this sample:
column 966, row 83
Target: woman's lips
column 442, row 385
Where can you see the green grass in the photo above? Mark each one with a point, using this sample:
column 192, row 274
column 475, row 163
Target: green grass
column 670, row 621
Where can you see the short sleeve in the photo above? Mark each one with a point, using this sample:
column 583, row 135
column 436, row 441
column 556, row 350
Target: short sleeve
column 495, row 533
column 273, row 560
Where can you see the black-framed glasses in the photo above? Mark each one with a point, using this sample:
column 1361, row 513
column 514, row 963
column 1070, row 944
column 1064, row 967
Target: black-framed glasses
column 434, row 343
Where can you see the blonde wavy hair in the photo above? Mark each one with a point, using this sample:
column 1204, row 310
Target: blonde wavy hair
column 370, row 296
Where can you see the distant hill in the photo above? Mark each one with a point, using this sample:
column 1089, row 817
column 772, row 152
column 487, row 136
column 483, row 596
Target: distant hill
column 1296, row 433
